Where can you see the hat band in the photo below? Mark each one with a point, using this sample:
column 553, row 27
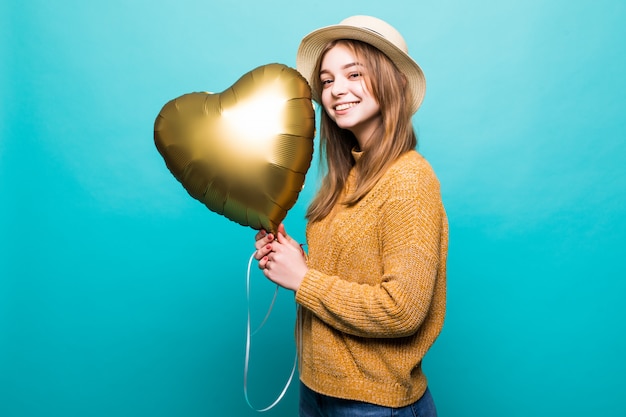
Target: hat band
column 372, row 30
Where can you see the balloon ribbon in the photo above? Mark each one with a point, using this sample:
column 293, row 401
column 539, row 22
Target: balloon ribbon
column 249, row 335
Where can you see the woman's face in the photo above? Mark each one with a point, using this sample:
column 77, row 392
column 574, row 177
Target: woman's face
column 345, row 95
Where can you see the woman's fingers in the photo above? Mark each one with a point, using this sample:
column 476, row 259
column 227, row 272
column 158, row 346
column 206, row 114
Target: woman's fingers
column 263, row 262
column 281, row 230
column 261, row 234
column 262, row 251
column 263, row 240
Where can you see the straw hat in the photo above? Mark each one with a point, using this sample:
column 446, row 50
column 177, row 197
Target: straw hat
column 373, row 31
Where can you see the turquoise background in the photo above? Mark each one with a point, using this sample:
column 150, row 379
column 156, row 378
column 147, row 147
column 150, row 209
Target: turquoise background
column 120, row 295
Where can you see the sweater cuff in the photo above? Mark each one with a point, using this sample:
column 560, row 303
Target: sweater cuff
column 312, row 289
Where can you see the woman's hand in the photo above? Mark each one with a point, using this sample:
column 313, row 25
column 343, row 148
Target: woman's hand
column 281, row 258
column 263, row 246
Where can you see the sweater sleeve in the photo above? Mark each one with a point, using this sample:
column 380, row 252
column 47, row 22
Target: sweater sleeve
column 410, row 227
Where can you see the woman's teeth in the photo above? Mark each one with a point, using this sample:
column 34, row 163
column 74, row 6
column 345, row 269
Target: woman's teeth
column 345, row 106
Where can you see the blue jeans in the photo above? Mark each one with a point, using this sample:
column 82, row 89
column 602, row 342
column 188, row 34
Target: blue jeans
column 313, row 404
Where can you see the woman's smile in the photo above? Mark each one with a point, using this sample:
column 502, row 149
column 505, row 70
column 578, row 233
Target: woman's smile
column 345, row 106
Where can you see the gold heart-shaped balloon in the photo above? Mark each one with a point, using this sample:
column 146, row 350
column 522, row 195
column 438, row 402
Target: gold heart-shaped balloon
column 244, row 152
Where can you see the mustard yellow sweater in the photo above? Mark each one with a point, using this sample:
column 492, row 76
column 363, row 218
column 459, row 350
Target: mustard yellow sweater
column 374, row 299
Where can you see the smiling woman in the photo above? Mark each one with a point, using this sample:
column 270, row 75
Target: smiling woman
column 373, row 288
column 122, row 296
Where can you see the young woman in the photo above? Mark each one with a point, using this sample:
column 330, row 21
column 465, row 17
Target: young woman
column 372, row 290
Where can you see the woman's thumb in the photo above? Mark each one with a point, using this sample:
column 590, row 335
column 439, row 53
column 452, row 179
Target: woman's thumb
column 281, row 229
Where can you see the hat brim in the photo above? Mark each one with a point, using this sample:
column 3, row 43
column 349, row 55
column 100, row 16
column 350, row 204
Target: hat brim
column 314, row 43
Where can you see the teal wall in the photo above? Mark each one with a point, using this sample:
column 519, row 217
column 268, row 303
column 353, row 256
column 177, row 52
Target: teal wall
column 120, row 295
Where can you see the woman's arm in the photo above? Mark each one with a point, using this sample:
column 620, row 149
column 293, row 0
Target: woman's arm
column 412, row 226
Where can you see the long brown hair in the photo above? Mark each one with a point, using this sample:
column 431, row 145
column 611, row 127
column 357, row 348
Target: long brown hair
column 394, row 136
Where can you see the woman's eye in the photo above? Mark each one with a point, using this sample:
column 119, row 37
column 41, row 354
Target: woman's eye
column 355, row 75
column 326, row 83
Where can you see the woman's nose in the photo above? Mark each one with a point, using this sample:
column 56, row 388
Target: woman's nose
column 339, row 87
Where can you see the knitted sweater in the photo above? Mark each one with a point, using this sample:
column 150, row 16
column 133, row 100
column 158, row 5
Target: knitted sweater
column 374, row 297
